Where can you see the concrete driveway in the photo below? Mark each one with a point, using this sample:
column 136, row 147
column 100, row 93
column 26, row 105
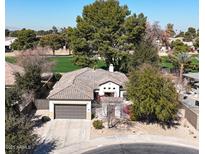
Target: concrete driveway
column 57, row 134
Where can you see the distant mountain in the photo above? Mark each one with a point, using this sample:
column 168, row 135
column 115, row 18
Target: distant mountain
column 12, row 28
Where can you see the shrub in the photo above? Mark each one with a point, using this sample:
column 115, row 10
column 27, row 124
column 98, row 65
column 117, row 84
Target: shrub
column 45, row 119
column 57, row 76
column 98, row 124
column 92, row 115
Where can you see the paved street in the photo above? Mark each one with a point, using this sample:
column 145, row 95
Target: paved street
column 142, row 149
column 115, row 141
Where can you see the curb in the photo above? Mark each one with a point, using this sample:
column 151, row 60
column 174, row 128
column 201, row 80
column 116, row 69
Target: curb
column 128, row 139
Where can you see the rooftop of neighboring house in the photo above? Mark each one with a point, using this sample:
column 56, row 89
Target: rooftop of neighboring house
column 194, row 76
column 10, row 70
column 9, row 40
column 80, row 84
column 175, row 38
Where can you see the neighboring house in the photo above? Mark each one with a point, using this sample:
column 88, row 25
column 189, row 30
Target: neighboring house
column 190, row 98
column 175, row 38
column 8, row 42
column 75, row 94
column 192, row 79
column 189, row 44
column 10, row 70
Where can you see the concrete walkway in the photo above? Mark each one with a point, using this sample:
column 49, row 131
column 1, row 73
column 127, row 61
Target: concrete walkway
column 104, row 141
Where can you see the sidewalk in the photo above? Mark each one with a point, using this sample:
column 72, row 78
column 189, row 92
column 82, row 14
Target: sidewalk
column 111, row 140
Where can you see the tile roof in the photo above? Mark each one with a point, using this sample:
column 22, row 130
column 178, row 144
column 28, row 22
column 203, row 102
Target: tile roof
column 10, row 70
column 194, row 76
column 80, row 84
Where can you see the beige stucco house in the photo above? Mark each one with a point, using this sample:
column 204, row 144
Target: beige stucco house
column 75, row 93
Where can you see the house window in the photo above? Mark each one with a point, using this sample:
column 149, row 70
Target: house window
column 107, row 94
column 104, row 87
column 109, row 88
column 113, row 88
column 197, row 103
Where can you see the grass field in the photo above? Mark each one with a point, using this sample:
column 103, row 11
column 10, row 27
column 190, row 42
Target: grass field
column 62, row 64
column 10, row 59
column 65, row 63
column 165, row 62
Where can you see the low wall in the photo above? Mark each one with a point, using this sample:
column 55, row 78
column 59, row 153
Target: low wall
column 191, row 116
column 42, row 104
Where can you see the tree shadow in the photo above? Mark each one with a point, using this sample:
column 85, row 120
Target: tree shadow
column 45, row 147
column 36, row 119
column 165, row 125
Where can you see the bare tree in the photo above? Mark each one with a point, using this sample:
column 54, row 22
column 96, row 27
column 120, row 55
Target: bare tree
column 155, row 33
column 110, row 115
column 109, row 108
column 36, row 56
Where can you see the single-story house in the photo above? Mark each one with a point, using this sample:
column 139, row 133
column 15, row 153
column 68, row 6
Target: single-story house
column 190, row 98
column 192, row 76
column 10, row 70
column 8, row 42
column 74, row 95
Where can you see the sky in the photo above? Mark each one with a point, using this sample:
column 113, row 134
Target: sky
column 43, row 14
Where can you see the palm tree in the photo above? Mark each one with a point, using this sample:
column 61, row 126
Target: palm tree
column 181, row 59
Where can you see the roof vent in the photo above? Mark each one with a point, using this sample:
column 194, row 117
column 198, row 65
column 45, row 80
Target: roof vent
column 111, row 68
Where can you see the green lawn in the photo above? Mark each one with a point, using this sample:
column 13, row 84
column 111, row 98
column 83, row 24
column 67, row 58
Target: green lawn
column 10, row 59
column 165, row 63
column 65, row 63
column 62, row 64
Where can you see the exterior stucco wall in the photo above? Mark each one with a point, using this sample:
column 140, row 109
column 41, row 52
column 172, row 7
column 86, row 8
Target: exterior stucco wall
column 109, row 87
column 88, row 106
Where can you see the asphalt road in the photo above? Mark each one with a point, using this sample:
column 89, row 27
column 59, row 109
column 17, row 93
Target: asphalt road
column 142, row 149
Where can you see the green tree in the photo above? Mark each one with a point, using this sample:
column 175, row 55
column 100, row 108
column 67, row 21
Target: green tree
column 181, row 60
column 107, row 29
column 55, row 30
column 7, row 32
column 146, row 52
column 54, row 41
column 170, row 30
column 19, row 137
column 84, row 61
column 14, row 33
column 154, row 97
column 181, row 34
column 34, row 64
column 178, row 46
column 190, row 34
column 26, row 39
column 196, row 43
column 30, row 80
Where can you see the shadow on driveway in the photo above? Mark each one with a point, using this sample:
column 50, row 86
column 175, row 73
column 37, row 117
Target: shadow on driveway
column 45, row 147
